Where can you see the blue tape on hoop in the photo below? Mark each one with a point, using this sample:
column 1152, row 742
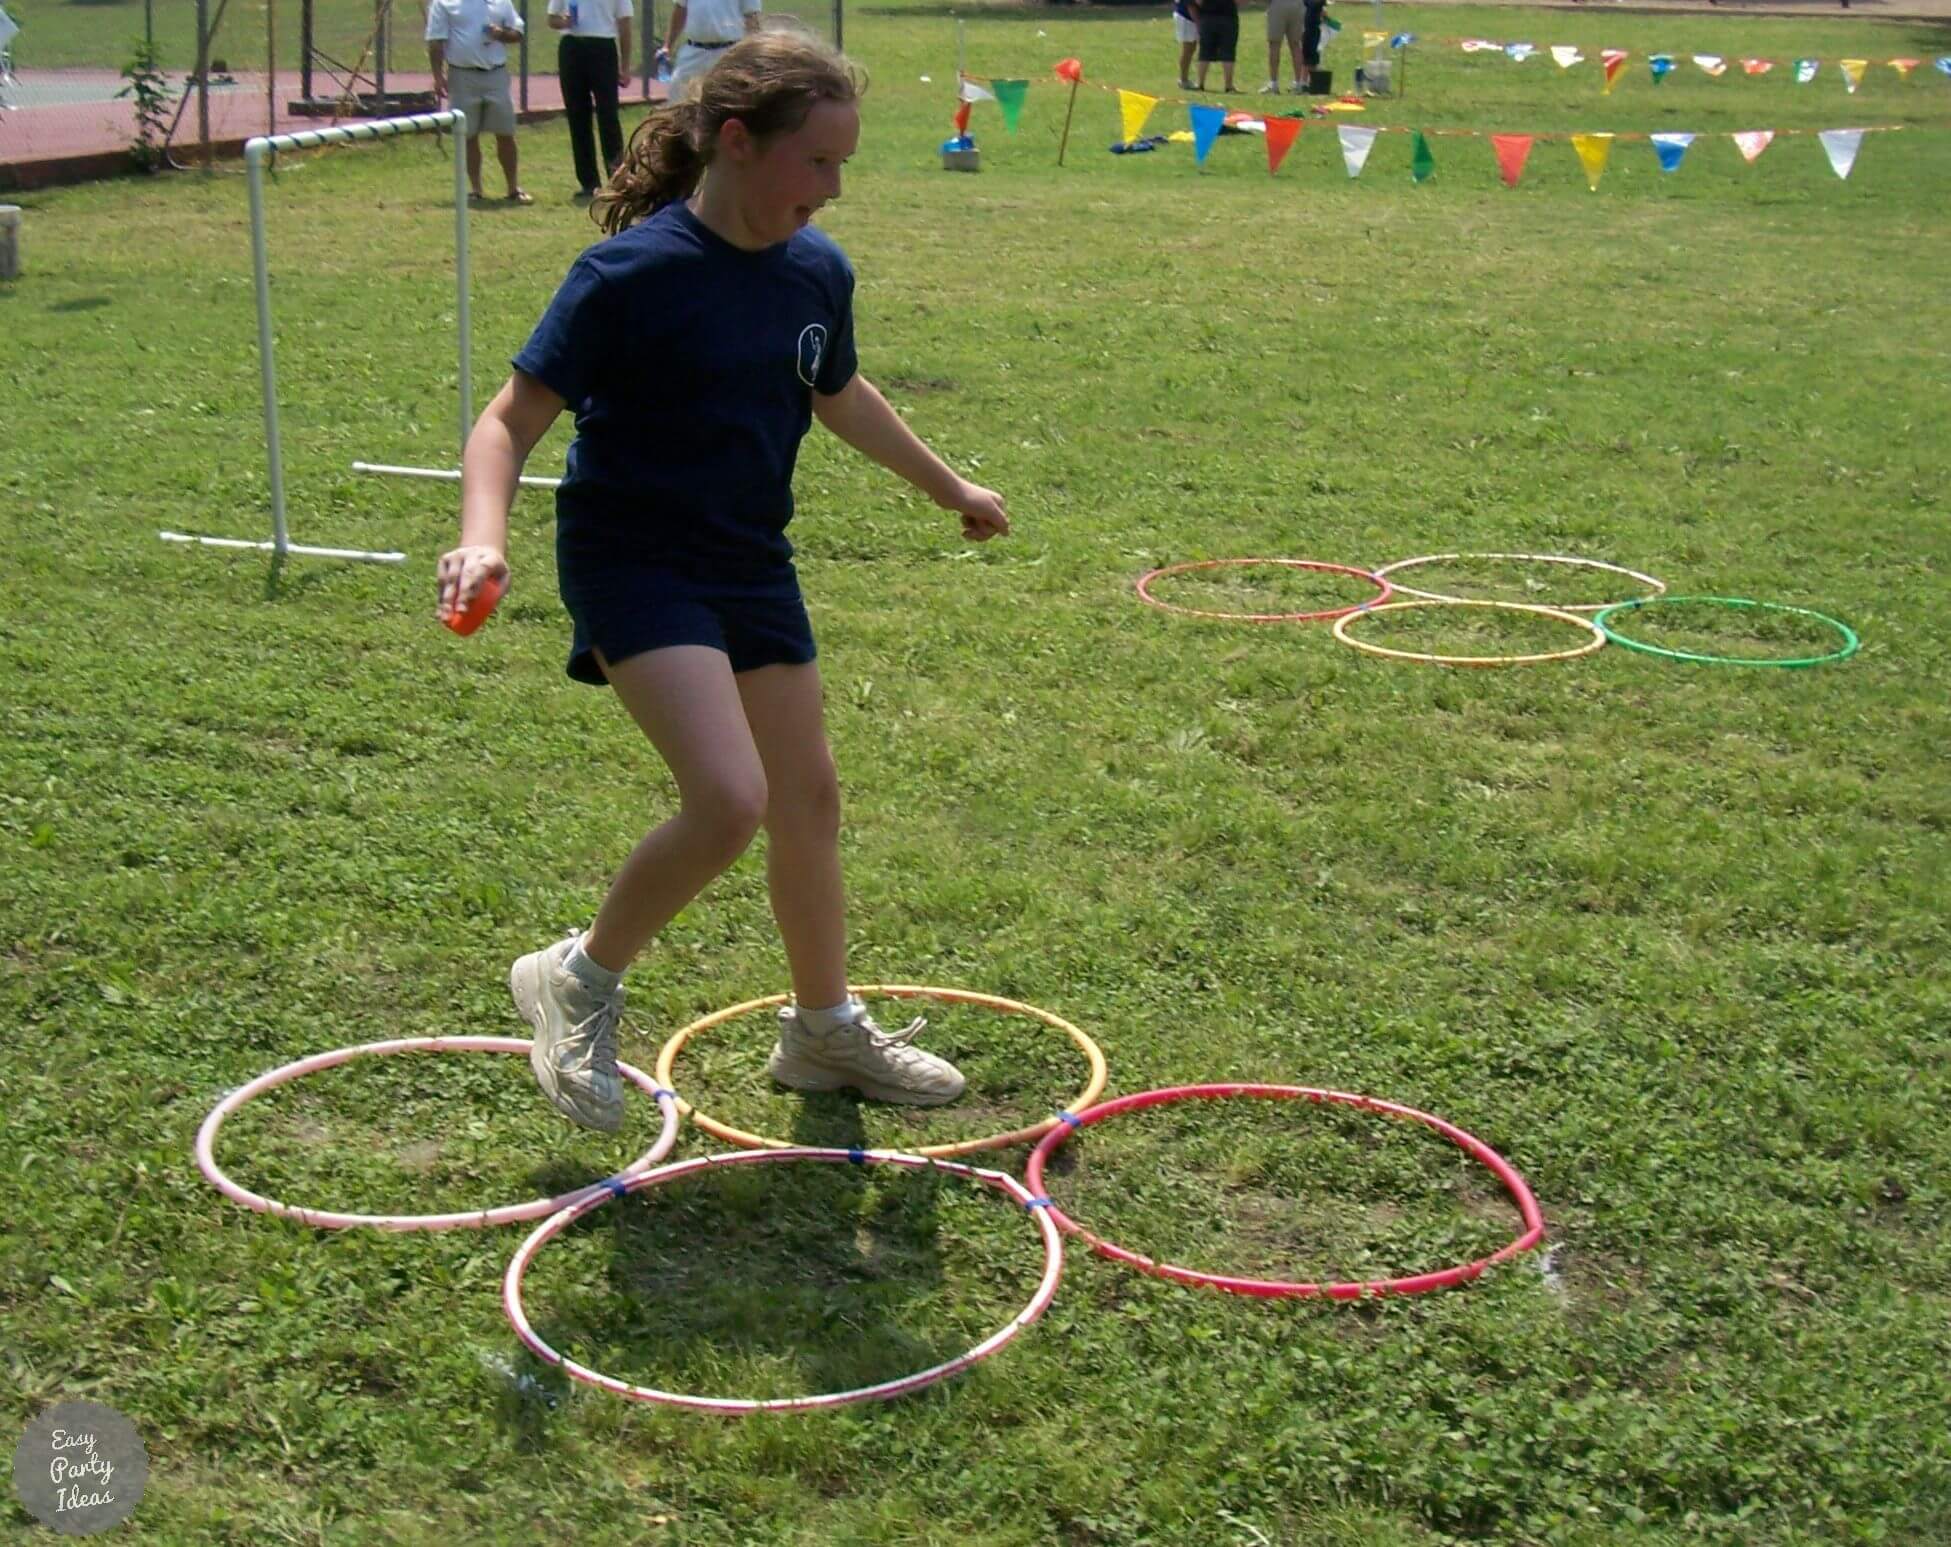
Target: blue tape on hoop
column 1040, row 1202
column 658, row 1090
column 615, row 1185
column 857, row 1155
column 1072, row 1118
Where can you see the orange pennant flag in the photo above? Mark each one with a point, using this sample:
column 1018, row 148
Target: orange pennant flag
column 1281, row 135
column 1512, row 149
column 1613, row 59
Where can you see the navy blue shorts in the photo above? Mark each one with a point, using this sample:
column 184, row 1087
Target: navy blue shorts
column 624, row 606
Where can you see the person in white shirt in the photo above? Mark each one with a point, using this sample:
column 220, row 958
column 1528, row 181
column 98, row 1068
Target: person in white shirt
column 592, row 59
column 707, row 28
column 465, row 45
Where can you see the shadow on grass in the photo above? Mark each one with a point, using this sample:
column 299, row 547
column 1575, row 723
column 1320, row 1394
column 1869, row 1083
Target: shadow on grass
column 1027, row 13
column 804, row 1277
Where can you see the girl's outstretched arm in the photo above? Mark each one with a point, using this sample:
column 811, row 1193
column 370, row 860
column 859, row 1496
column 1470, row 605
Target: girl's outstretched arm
column 491, row 468
column 861, row 417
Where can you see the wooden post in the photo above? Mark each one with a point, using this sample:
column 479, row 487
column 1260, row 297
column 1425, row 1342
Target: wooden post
column 203, row 81
column 1065, row 141
column 271, row 66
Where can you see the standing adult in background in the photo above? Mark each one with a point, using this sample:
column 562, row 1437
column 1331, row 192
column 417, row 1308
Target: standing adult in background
column 1311, row 12
column 1185, row 32
column 1285, row 24
column 1219, row 39
column 466, row 45
column 707, row 28
column 592, row 59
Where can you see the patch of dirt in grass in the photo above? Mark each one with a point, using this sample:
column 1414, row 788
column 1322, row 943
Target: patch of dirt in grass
column 421, row 1157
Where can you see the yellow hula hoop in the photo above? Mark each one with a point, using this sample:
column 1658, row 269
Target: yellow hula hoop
column 1596, row 642
column 1093, row 1088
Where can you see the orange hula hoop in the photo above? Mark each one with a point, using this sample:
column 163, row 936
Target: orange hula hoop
column 1093, row 1087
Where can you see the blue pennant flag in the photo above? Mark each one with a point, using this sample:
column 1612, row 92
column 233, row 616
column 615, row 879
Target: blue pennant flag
column 1402, row 40
column 1205, row 127
column 1943, row 62
column 1661, row 65
column 1670, row 148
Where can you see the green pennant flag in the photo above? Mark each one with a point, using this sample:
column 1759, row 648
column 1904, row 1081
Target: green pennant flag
column 1422, row 165
column 1009, row 97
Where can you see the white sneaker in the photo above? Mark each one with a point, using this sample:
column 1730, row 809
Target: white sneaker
column 574, row 1051
column 1272, row 88
column 882, row 1066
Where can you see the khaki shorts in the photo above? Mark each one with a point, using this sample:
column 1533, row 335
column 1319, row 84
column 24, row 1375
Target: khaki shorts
column 483, row 96
column 1284, row 21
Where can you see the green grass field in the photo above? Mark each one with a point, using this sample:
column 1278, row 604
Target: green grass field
column 1671, row 938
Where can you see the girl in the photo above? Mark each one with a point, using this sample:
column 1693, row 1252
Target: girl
column 695, row 346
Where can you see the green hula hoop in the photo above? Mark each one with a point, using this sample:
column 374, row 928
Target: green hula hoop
column 1850, row 642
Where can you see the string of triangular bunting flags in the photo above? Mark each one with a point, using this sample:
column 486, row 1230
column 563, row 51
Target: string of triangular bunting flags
column 1512, row 151
column 1661, row 65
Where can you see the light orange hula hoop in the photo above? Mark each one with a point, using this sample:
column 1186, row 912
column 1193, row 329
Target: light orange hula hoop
column 1093, row 1088
column 1596, row 642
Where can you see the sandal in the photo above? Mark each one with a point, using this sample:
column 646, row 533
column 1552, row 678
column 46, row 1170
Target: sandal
column 519, row 196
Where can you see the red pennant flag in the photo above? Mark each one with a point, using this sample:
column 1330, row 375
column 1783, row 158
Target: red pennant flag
column 1512, row 149
column 962, row 117
column 1281, row 134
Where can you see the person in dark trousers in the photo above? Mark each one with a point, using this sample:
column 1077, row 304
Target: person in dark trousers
column 1219, row 39
column 593, row 59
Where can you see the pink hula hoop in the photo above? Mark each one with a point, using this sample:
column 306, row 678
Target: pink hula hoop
column 1420, row 1283
column 1038, row 1209
column 325, row 1219
column 1384, row 590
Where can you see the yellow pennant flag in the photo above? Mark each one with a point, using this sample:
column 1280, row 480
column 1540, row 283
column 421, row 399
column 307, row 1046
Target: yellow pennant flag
column 1593, row 152
column 1136, row 107
column 1853, row 72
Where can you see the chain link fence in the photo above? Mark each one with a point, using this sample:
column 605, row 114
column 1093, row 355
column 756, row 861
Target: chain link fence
column 171, row 82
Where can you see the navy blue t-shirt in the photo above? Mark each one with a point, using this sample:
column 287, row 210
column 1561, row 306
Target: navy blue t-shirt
column 690, row 365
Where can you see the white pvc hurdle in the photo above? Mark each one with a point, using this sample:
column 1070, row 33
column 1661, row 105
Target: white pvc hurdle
column 255, row 152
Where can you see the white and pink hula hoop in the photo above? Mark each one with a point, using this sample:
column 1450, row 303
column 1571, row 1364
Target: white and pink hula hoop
column 1038, row 1208
column 1420, row 1283
column 509, row 1214
column 1655, row 587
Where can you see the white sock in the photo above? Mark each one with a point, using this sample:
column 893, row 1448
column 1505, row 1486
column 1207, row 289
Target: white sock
column 820, row 1022
column 593, row 976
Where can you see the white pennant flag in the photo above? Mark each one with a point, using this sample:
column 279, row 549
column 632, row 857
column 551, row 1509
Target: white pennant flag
column 1479, row 45
column 1842, row 145
column 1355, row 146
column 1520, row 51
column 1566, row 55
column 1713, row 64
column 1753, row 142
column 971, row 92
column 7, row 30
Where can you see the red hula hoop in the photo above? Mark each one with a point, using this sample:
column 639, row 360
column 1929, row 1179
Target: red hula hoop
column 1384, row 590
column 1038, row 1209
column 1420, row 1283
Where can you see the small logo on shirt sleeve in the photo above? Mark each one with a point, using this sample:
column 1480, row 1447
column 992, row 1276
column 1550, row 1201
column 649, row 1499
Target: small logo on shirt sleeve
column 812, row 349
